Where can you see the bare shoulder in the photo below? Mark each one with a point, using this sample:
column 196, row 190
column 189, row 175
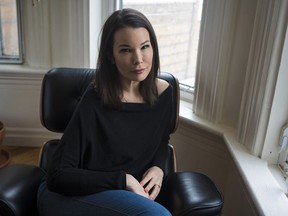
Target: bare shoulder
column 162, row 85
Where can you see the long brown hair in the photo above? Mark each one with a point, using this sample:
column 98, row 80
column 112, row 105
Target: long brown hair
column 107, row 77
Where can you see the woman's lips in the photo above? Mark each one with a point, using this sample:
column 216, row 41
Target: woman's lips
column 139, row 71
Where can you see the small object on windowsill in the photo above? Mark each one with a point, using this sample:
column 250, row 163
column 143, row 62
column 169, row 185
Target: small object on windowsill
column 5, row 156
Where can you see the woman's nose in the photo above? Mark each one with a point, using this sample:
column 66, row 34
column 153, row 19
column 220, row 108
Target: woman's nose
column 137, row 58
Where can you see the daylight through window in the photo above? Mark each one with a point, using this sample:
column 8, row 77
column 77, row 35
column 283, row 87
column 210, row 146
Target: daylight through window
column 177, row 26
column 10, row 48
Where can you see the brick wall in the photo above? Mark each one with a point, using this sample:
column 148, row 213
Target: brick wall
column 8, row 22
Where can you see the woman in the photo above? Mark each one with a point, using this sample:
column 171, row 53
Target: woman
column 111, row 157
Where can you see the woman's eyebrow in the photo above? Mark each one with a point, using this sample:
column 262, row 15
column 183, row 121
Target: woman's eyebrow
column 147, row 41
column 123, row 45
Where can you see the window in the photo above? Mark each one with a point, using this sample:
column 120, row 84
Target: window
column 283, row 155
column 10, row 38
column 177, row 26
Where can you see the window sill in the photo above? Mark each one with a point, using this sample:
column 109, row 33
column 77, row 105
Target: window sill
column 262, row 185
column 21, row 69
column 278, row 175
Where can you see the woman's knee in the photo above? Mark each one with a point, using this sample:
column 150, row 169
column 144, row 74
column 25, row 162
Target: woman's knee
column 156, row 210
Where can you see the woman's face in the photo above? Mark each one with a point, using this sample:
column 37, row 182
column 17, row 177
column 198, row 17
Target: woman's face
column 132, row 53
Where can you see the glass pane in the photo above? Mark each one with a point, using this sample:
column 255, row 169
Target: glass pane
column 177, row 26
column 9, row 32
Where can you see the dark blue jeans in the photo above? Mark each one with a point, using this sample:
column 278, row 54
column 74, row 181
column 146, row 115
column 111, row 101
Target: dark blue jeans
column 107, row 203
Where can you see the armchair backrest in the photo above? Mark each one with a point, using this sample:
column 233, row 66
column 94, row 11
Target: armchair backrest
column 62, row 89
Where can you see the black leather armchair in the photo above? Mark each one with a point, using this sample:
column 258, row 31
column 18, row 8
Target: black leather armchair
column 182, row 193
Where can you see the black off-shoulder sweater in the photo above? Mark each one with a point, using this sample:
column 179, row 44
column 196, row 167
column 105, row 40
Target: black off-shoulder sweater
column 100, row 145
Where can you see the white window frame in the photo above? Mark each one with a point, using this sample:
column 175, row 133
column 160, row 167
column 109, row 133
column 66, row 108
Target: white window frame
column 278, row 110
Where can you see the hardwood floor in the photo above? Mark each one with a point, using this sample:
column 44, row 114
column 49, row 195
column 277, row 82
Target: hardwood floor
column 23, row 155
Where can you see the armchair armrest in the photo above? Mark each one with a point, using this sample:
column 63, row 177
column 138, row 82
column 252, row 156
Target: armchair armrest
column 18, row 189
column 189, row 194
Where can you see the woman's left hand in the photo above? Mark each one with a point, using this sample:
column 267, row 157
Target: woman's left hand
column 152, row 181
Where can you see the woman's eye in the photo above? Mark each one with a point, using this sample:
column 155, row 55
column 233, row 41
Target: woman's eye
column 125, row 50
column 146, row 46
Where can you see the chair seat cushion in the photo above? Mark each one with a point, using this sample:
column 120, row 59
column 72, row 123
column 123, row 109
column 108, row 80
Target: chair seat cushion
column 190, row 193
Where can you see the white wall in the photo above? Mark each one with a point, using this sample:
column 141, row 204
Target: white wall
column 19, row 108
column 56, row 34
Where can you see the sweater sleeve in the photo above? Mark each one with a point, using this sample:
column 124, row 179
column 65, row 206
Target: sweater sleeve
column 69, row 174
column 159, row 159
column 162, row 151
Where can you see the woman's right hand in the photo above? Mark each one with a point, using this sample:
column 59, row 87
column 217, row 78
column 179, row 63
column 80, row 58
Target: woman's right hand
column 133, row 185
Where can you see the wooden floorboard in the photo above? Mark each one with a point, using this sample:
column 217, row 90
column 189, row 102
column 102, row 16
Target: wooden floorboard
column 23, row 155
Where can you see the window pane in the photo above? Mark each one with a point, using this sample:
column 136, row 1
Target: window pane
column 10, row 51
column 177, row 26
